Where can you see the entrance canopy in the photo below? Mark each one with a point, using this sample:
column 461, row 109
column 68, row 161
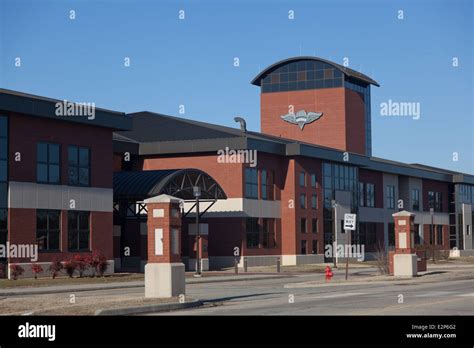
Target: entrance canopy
column 140, row 185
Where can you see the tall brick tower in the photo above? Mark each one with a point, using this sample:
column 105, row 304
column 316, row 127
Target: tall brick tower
column 316, row 101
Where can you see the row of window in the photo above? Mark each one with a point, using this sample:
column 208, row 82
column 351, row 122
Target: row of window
column 251, row 184
column 260, row 233
column 303, row 176
column 435, row 235
column 366, row 195
column 302, row 85
column 304, row 247
column 304, row 225
column 314, row 201
column 48, row 230
column 48, row 164
column 309, row 75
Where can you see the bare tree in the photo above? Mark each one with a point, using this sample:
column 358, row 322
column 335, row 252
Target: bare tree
column 381, row 258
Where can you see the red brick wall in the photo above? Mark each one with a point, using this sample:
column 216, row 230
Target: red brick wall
column 355, row 122
column 27, row 131
column 341, row 127
column 166, row 223
column 309, row 166
column 22, row 230
column 229, row 175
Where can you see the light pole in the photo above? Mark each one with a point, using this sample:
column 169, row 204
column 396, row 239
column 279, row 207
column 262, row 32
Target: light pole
column 334, row 251
column 197, row 194
column 432, row 235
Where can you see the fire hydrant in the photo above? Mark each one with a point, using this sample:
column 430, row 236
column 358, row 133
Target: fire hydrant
column 328, row 272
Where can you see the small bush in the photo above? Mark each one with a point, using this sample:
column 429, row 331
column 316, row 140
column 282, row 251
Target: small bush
column 70, row 267
column 82, row 263
column 55, row 267
column 16, row 271
column 36, row 269
column 99, row 263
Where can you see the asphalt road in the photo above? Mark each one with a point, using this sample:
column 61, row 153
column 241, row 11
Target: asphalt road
column 270, row 297
column 295, row 296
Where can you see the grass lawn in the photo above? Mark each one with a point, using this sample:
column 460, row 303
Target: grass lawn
column 65, row 280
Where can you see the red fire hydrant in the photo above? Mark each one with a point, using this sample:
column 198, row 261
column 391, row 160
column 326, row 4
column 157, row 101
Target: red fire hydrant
column 328, row 272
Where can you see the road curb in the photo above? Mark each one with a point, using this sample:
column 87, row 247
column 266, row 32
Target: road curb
column 163, row 307
column 127, row 286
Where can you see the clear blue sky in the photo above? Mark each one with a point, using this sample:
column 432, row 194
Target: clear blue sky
column 190, row 61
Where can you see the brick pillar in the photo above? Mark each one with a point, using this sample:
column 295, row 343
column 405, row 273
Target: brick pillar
column 403, row 261
column 164, row 271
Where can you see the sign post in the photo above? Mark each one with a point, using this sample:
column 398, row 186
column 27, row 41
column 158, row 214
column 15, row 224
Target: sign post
column 349, row 225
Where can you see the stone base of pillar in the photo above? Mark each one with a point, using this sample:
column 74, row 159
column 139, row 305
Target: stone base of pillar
column 164, row 280
column 405, row 265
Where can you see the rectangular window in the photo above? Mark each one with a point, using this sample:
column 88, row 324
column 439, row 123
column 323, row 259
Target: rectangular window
column 78, row 166
column 302, row 179
column 263, row 180
column 416, row 232
column 370, row 193
column 432, row 234
column 303, row 225
column 3, row 163
column 3, row 227
column 439, row 236
column 361, row 194
column 78, row 230
column 415, row 198
column 303, row 247
column 47, row 163
column 314, row 226
column 48, row 229
column 391, row 234
column 435, row 200
column 251, row 183
column 390, row 197
column 252, row 232
column 303, row 201
column 315, row 246
column 267, row 184
column 313, row 180
column 314, row 202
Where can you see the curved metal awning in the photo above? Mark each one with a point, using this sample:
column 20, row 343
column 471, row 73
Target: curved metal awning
column 140, row 185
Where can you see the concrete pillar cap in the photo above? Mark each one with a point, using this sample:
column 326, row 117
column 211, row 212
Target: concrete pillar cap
column 163, row 199
column 403, row 213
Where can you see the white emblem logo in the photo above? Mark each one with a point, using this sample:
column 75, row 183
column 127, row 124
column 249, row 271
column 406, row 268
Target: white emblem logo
column 301, row 118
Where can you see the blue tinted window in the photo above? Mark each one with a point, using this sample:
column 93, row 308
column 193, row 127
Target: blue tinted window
column 3, row 126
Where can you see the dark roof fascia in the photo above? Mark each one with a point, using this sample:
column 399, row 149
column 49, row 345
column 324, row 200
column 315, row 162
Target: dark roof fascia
column 31, row 105
column 126, row 146
column 463, row 179
column 191, row 146
column 346, row 71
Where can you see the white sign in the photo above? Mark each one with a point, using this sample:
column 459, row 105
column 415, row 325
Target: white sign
column 350, row 222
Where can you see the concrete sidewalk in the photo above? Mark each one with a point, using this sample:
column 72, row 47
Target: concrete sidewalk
column 21, row 291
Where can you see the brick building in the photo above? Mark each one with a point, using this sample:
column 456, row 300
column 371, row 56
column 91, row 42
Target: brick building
column 314, row 150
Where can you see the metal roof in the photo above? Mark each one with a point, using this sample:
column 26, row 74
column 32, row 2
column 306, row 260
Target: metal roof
column 345, row 70
column 33, row 105
column 140, row 185
column 201, row 137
